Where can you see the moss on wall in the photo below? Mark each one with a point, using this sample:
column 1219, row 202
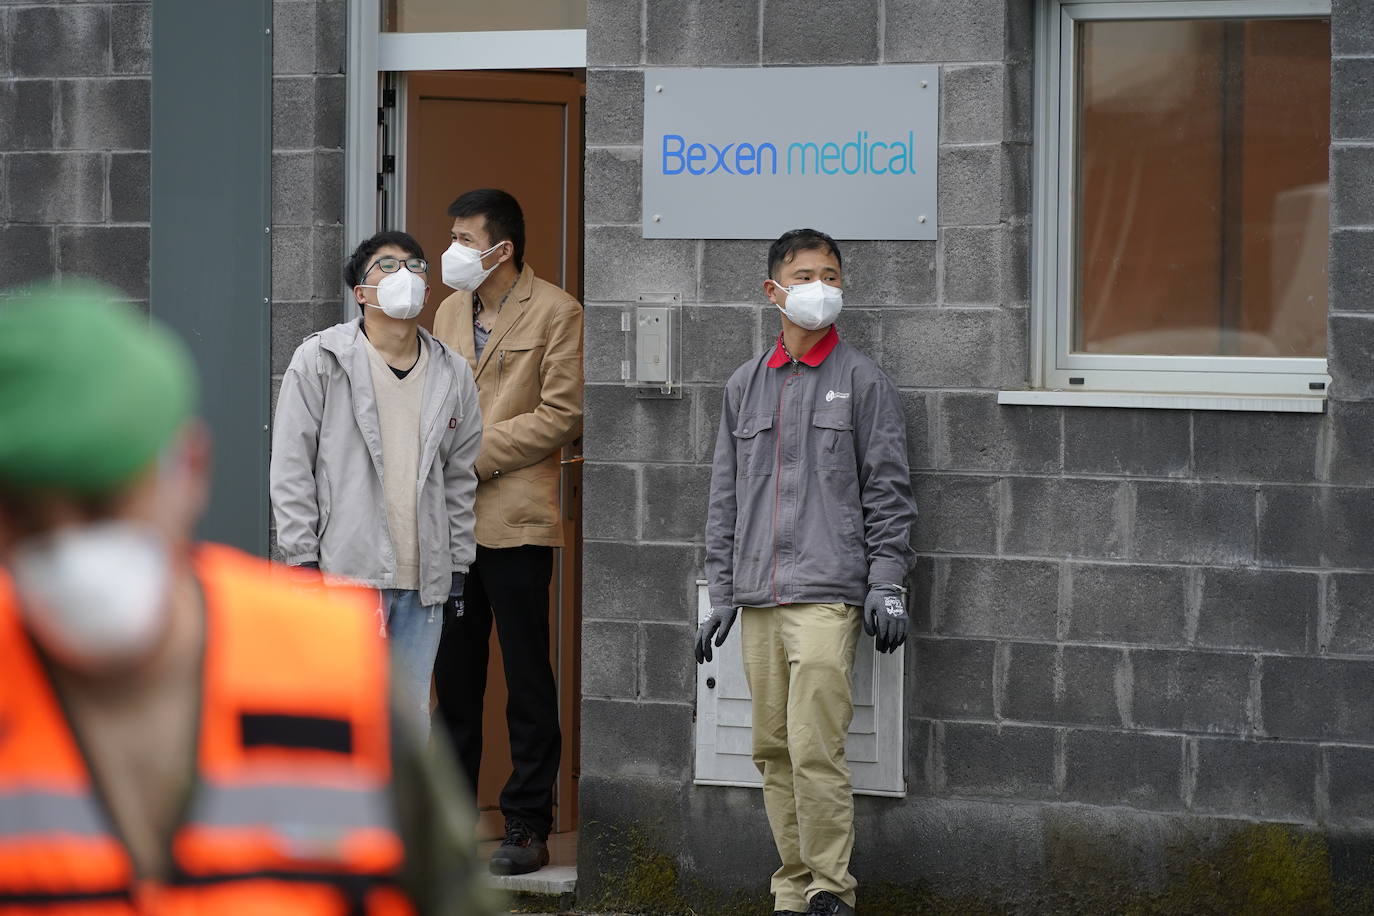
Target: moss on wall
column 1259, row 870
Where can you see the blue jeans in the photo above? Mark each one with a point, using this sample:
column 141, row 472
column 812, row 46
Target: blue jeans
column 413, row 631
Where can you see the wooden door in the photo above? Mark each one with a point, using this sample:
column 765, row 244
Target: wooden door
column 520, row 131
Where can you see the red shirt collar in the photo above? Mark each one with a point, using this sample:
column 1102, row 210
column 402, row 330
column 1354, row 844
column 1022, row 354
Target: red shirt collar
column 813, row 358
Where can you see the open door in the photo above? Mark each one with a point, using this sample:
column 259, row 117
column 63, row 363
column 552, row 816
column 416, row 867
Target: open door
column 520, row 131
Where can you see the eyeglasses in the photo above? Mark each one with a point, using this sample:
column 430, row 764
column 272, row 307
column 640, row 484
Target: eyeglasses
column 390, row 265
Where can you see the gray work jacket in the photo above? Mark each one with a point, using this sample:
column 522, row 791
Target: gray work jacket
column 327, row 464
column 810, row 489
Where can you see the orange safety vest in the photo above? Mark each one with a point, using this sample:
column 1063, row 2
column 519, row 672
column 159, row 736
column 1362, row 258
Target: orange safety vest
column 292, row 809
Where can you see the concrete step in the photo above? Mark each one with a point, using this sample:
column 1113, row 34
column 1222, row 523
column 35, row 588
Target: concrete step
column 552, row 880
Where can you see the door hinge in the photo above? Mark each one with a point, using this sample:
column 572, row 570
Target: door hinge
column 388, row 164
column 388, row 98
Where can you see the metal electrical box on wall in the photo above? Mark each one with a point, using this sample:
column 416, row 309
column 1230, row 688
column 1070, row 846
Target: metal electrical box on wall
column 716, row 167
column 876, row 744
column 653, row 345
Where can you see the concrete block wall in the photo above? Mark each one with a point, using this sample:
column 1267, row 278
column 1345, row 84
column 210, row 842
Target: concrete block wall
column 309, row 54
column 74, row 137
column 75, row 88
column 1130, row 623
column 308, row 114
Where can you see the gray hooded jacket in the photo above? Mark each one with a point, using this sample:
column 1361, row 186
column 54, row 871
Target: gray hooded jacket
column 326, row 470
column 810, row 488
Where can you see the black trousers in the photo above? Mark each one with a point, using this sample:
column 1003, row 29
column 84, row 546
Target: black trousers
column 511, row 585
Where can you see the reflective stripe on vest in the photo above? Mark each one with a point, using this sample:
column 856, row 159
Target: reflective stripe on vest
column 309, row 806
column 292, row 809
column 27, row 814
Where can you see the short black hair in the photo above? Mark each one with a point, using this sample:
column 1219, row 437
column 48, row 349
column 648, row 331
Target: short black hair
column 504, row 219
column 795, row 240
column 361, row 257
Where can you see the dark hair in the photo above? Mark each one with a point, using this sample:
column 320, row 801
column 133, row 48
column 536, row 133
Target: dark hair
column 504, row 219
column 361, row 257
column 789, row 243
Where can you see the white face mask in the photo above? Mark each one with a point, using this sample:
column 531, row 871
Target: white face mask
column 812, row 305
column 97, row 595
column 462, row 266
column 400, row 295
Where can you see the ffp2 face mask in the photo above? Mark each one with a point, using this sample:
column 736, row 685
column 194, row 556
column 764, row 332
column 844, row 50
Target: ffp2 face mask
column 462, row 266
column 96, row 595
column 812, row 305
column 400, row 295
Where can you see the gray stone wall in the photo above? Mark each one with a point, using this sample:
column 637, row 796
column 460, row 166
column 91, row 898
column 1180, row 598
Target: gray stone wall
column 75, row 86
column 309, row 54
column 74, row 138
column 308, row 113
column 1136, row 628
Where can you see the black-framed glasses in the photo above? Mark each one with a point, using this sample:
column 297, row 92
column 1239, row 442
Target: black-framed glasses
column 390, row 265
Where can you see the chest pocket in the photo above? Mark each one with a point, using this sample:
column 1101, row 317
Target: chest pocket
column 518, row 366
column 755, row 442
column 832, row 439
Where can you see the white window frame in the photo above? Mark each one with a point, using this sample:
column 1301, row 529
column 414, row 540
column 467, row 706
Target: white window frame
column 1194, row 382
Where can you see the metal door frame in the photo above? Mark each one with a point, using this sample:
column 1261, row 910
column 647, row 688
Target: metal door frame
column 373, row 54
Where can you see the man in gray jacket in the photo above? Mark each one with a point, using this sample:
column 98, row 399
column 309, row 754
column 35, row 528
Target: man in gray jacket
column 808, row 531
column 373, row 452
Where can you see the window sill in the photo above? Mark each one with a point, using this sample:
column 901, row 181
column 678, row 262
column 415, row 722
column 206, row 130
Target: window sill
column 1165, row 401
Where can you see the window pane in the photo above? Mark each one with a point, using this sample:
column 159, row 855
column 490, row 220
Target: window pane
column 483, row 15
column 1202, row 187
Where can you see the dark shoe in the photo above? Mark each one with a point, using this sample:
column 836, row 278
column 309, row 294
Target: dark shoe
column 825, row 903
column 521, row 852
column 788, row 913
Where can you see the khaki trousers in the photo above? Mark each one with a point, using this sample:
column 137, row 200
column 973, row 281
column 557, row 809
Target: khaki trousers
column 799, row 661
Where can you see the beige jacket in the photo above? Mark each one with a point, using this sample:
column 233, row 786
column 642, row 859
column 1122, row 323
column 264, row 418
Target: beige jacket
column 529, row 386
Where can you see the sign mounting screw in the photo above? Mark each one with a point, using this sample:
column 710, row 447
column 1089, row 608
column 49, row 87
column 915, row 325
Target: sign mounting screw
column 658, row 88
column 921, row 218
column 925, row 85
column 657, row 218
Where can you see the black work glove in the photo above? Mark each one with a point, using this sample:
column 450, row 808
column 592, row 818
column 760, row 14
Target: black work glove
column 454, row 604
column 885, row 617
column 718, row 624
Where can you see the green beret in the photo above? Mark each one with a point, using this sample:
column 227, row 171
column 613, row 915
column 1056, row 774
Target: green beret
column 91, row 391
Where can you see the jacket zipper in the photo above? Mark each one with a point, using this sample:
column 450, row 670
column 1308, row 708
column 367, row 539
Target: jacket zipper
column 777, row 478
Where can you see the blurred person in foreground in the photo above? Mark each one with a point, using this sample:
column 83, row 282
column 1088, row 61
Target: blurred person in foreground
column 181, row 730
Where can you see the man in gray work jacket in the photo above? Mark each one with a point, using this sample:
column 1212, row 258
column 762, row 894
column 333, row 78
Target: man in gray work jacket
column 808, row 531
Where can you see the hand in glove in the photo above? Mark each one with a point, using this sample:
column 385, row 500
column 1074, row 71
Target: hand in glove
column 885, row 617
column 718, row 624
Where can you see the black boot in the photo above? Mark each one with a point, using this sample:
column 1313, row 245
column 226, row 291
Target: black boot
column 521, row 852
column 824, row 903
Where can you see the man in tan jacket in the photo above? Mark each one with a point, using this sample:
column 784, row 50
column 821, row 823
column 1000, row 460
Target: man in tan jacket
column 523, row 338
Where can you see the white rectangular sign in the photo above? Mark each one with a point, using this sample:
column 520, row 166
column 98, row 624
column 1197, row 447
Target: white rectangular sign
column 750, row 153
